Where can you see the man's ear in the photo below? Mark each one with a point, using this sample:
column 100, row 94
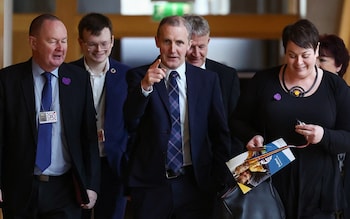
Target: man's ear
column 112, row 43
column 32, row 42
column 157, row 41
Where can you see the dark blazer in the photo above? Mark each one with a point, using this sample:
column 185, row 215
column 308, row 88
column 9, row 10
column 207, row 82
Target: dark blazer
column 229, row 83
column 150, row 117
column 346, row 183
column 230, row 91
column 116, row 134
column 18, row 131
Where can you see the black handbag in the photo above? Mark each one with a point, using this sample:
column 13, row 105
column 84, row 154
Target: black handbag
column 262, row 202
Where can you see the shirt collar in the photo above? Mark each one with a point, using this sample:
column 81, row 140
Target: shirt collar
column 180, row 70
column 106, row 68
column 37, row 70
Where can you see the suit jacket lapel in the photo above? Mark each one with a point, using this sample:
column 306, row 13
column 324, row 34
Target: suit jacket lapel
column 163, row 94
column 28, row 93
column 192, row 87
column 64, row 80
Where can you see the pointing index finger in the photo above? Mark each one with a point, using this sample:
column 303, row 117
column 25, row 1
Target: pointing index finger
column 155, row 64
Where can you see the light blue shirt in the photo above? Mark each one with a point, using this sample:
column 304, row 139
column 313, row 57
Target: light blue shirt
column 60, row 159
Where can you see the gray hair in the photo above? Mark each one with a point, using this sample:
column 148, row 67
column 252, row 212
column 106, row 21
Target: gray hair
column 175, row 21
column 199, row 24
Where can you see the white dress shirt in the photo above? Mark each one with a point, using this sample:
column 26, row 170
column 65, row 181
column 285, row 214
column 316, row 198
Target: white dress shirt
column 98, row 90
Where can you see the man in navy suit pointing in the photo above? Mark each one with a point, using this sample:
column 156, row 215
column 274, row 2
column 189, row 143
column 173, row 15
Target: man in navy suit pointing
column 187, row 189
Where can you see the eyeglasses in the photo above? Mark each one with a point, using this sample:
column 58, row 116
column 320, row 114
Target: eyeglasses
column 102, row 45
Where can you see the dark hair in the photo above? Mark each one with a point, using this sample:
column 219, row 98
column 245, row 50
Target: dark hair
column 303, row 33
column 333, row 46
column 37, row 22
column 94, row 23
column 175, row 21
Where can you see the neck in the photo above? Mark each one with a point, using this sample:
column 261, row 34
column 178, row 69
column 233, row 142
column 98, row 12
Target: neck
column 97, row 68
column 298, row 91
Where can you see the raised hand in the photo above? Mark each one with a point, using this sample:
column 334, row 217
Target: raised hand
column 153, row 75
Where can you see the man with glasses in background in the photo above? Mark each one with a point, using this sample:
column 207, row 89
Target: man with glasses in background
column 109, row 92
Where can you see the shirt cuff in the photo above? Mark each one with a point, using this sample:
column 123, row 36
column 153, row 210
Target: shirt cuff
column 146, row 92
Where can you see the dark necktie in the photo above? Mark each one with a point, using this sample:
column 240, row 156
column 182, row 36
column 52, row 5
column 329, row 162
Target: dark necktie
column 175, row 157
column 43, row 153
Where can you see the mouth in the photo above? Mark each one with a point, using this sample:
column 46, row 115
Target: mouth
column 299, row 68
column 193, row 59
column 58, row 57
column 172, row 57
column 101, row 54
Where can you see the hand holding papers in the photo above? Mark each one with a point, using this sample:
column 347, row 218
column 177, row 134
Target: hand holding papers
column 253, row 167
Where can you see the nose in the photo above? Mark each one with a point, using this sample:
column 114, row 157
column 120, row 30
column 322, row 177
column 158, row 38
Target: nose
column 173, row 47
column 99, row 47
column 59, row 45
column 195, row 51
column 299, row 59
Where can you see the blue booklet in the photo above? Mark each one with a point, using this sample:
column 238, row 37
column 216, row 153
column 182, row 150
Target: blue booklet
column 253, row 167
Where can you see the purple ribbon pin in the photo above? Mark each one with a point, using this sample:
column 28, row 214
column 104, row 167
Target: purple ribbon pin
column 66, row 81
column 277, row 96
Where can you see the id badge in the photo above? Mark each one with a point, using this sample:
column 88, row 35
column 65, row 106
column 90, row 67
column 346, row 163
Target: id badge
column 101, row 135
column 47, row 117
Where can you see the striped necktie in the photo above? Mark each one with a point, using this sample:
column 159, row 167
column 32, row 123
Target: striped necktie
column 175, row 157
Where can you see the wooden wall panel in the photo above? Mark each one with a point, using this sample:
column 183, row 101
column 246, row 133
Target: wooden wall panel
column 240, row 26
column 344, row 32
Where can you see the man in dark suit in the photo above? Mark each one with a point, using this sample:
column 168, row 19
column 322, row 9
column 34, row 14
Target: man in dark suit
column 229, row 81
column 109, row 87
column 157, row 189
column 70, row 179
